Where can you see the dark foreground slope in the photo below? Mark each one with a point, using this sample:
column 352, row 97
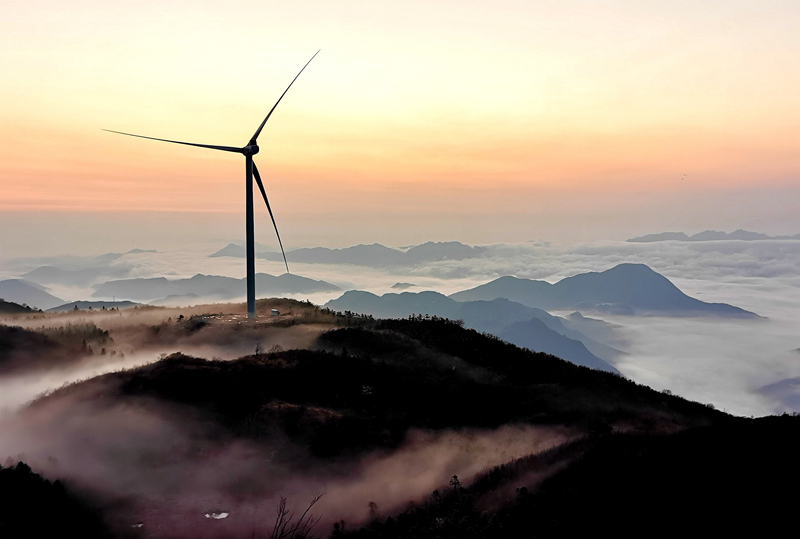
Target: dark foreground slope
column 734, row 480
column 33, row 508
column 638, row 461
column 366, row 386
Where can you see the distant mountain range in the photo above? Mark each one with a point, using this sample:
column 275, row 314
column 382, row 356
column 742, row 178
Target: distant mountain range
column 710, row 235
column 73, row 277
column 623, row 289
column 93, row 305
column 524, row 326
column 366, row 255
column 72, row 262
column 212, row 286
column 31, row 294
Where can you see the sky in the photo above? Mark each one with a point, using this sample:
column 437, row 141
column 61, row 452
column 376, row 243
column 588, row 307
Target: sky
column 475, row 121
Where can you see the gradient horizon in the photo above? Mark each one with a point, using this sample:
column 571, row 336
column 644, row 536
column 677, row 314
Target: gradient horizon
column 475, row 121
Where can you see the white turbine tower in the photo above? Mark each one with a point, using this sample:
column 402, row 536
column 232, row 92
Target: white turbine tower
column 250, row 170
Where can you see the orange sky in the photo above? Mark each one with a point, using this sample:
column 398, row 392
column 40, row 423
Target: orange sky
column 554, row 112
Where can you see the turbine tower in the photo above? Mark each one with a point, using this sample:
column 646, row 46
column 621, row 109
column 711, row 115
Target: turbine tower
column 250, row 170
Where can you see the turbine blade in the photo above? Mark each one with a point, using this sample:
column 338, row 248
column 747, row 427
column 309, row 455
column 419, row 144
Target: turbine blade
column 223, row 148
column 264, row 194
column 260, row 127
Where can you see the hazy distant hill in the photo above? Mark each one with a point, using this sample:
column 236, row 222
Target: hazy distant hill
column 70, row 267
column 403, row 286
column 547, row 334
column 238, row 251
column 209, row 285
column 710, row 235
column 32, row 294
column 366, row 255
column 73, row 277
column 633, row 288
column 96, row 305
column 535, row 335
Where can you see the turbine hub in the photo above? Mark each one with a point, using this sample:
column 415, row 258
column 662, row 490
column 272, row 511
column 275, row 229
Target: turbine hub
column 250, row 149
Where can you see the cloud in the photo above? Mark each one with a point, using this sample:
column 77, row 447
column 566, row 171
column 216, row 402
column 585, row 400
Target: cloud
column 166, row 467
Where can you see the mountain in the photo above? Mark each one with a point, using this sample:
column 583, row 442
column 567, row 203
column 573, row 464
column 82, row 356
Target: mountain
column 435, row 251
column 238, row 251
column 578, row 488
column 535, row 335
column 95, row 305
column 9, row 307
column 403, row 286
column 209, row 286
column 546, row 332
column 541, row 447
column 26, row 350
column 366, row 255
column 625, row 289
column 73, row 277
column 710, row 235
column 407, row 363
column 663, row 236
column 24, row 292
column 599, row 330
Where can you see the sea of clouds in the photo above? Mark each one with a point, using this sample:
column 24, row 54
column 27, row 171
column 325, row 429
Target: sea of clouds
column 732, row 364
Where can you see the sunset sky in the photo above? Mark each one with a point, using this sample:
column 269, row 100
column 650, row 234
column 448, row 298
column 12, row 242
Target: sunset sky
column 467, row 120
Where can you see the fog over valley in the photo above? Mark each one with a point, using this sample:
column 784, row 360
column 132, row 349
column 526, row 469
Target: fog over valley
column 723, row 361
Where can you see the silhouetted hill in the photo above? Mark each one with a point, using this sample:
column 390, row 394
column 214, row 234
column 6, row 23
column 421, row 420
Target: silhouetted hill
column 357, row 394
column 489, row 316
column 9, row 307
column 370, row 384
column 532, row 333
column 710, row 235
column 633, row 288
column 209, row 286
column 95, row 305
column 19, row 291
column 32, row 507
column 26, row 350
column 366, row 255
column 623, row 485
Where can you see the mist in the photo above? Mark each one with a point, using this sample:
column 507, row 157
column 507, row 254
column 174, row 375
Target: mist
column 162, row 467
column 690, row 356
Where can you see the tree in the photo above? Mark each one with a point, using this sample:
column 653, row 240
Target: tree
column 455, row 483
column 302, row 528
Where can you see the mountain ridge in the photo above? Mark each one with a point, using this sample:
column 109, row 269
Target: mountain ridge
column 488, row 316
column 375, row 254
column 145, row 289
column 633, row 288
column 709, row 235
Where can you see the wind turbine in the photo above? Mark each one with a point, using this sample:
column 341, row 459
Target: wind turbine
column 250, row 170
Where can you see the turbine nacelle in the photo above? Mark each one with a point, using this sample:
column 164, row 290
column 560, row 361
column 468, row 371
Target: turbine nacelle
column 250, row 149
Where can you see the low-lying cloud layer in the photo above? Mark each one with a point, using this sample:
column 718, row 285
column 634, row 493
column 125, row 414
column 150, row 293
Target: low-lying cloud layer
column 163, row 468
column 692, row 357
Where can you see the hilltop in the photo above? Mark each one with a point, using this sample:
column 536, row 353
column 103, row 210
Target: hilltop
column 709, row 235
column 375, row 255
column 314, row 397
column 623, row 289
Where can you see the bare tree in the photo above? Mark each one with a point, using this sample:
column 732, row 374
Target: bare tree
column 284, row 528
